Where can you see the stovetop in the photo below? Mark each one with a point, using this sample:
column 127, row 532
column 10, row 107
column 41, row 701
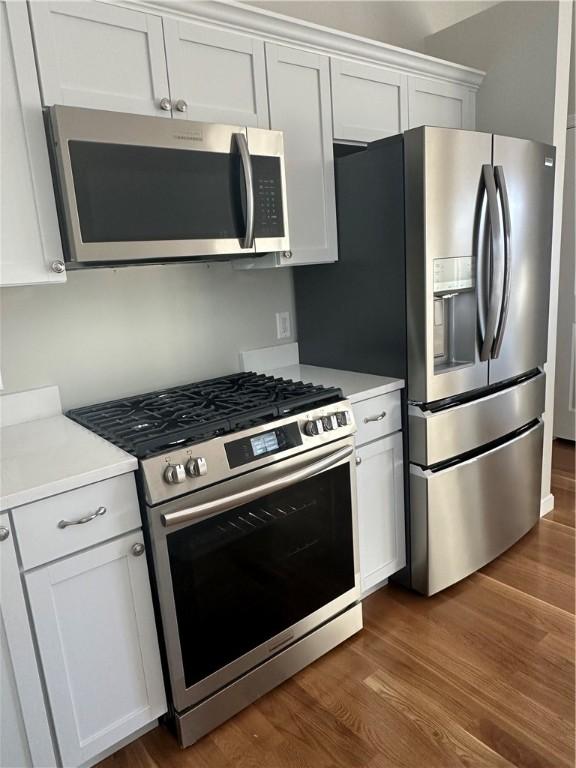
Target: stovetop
column 148, row 424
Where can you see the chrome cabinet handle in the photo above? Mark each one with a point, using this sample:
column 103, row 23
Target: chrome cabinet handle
column 379, row 417
column 137, row 549
column 58, row 266
column 211, row 508
column 496, row 264
column 506, row 221
column 81, row 520
column 181, row 105
column 4, row 533
column 358, row 461
column 165, row 104
column 248, row 241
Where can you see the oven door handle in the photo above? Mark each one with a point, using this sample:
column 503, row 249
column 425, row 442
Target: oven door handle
column 210, row 508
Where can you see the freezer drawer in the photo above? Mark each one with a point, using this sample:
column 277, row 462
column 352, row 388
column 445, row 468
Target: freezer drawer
column 464, row 516
column 436, row 437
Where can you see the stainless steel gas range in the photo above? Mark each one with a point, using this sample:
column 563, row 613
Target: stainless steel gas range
column 249, row 505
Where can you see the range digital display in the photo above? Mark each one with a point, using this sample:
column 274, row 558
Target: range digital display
column 248, row 449
column 266, row 443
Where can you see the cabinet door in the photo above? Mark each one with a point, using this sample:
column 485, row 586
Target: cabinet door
column 24, row 730
column 216, row 76
column 98, row 644
column 445, row 105
column 30, row 240
column 299, row 98
column 380, row 481
column 368, row 102
column 100, row 56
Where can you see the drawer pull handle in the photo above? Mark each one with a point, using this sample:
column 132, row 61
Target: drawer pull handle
column 137, row 549
column 4, row 533
column 81, row 520
column 380, row 416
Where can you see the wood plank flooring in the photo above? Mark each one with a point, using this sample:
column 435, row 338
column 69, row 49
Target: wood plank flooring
column 479, row 676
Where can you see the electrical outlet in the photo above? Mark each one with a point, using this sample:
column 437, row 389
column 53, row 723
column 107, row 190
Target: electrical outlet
column 283, row 329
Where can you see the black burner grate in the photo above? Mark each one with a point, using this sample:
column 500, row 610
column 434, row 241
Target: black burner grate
column 158, row 421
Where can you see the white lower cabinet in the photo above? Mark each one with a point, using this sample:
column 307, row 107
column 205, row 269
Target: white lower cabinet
column 24, row 732
column 380, row 494
column 97, row 639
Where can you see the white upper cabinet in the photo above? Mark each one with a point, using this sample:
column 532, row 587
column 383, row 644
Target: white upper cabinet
column 444, row 105
column 97, row 640
column 24, row 731
column 100, row 56
column 30, row 240
column 216, row 76
column 368, row 102
column 299, row 99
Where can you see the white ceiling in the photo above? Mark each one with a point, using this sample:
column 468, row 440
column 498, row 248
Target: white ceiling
column 405, row 23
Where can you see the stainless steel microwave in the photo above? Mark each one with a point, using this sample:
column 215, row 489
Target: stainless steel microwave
column 135, row 189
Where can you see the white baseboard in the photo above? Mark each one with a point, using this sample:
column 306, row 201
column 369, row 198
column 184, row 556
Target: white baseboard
column 546, row 505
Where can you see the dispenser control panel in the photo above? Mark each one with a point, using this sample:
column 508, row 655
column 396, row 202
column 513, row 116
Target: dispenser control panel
column 453, row 274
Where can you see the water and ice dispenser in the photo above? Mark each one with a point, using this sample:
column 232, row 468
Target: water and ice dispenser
column 454, row 313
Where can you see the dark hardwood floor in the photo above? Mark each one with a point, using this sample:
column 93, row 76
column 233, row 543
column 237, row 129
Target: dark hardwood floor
column 481, row 675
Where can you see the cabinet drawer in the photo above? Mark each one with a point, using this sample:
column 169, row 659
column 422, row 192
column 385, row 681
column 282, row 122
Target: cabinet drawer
column 40, row 527
column 377, row 416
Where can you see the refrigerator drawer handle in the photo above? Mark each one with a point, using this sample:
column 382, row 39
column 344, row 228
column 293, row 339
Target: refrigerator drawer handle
column 496, row 264
column 503, row 195
column 211, row 508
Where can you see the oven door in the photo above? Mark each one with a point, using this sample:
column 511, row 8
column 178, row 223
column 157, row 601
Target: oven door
column 257, row 562
column 136, row 188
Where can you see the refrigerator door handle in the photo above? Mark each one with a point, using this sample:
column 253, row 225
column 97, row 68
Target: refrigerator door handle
column 496, row 264
column 503, row 195
column 479, row 252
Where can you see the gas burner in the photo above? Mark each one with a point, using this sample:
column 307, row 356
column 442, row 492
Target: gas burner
column 154, row 422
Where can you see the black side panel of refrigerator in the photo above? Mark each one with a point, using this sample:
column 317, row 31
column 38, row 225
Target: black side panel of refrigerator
column 352, row 314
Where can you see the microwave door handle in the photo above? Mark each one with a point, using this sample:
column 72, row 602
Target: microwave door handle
column 248, row 241
column 506, row 221
column 211, row 508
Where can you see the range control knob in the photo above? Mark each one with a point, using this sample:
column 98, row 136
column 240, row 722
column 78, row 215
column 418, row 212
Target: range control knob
column 329, row 423
column 175, row 473
column 197, row 467
column 343, row 418
column 314, row 427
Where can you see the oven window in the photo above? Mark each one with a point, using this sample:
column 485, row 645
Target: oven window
column 131, row 193
column 244, row 576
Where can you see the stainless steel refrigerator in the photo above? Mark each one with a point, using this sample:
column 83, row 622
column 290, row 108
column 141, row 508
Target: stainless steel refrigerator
column 443, row 279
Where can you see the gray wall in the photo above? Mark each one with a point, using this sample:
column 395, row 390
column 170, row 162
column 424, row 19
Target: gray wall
column 515, row 43
column 572, row 91
column 396, row 22
column 108, row 333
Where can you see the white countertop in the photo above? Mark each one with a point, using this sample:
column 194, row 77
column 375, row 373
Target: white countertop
column 355, row 386
column 51, row 455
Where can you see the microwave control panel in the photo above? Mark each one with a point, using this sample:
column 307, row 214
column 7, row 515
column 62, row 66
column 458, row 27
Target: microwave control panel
column 268, row 209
